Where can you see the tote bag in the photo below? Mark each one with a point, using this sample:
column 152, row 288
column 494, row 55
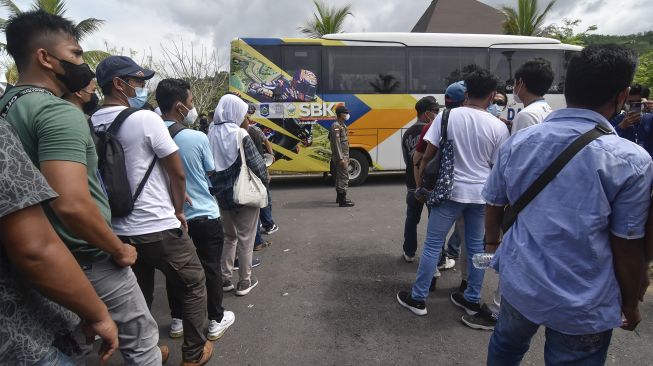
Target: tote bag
column 248, row 190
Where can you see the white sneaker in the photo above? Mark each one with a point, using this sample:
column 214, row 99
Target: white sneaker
column 176, row 328
column 216, row 330
column 448, row 264
column 408, row 258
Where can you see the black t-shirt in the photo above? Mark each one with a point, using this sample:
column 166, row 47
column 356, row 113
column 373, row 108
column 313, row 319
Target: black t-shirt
column 408, row 144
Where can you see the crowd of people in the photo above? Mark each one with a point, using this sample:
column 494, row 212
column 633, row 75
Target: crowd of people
column 104, row 195
column 561, row 197
column 123, row 191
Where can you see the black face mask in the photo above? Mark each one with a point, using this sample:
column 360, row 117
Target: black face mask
column 75, row 77
column 90, row 106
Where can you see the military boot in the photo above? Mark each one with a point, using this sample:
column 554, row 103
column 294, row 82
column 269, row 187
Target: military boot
column 344, row 202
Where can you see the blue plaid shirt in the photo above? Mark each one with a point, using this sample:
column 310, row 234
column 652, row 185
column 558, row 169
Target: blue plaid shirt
column 555, row 263
column 224, row 180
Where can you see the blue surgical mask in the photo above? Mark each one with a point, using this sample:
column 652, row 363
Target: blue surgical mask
column 494, row 109
column 140, row 99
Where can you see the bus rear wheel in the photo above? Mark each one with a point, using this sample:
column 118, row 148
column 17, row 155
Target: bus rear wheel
column 359, row 168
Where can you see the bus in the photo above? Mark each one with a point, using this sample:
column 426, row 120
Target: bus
column 297, row 83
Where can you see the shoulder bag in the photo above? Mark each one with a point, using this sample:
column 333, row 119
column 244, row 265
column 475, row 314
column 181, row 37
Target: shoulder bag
column 248, row 190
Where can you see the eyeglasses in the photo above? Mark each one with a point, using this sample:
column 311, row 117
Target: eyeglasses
column 500, row 103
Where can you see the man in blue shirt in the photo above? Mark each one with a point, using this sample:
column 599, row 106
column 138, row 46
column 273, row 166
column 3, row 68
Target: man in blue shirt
column 574, row 260
column 201, row 210
column 635, row 125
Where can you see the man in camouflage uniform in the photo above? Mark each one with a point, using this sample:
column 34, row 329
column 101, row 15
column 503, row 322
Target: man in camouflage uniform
column 339, row 138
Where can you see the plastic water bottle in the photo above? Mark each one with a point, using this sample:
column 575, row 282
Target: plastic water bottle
column 482, row 260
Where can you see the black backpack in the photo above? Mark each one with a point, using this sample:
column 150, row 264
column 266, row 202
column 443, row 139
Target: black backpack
column 175, row 128
column 112, row 169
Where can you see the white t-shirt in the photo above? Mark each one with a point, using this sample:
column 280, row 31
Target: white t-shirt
column 142, row 135
column 531, row 115
column 476, row 137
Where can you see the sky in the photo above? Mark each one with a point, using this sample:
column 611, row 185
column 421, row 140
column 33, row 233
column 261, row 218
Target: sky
column 144, row 25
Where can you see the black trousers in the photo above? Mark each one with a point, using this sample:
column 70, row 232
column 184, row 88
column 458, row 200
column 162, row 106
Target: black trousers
column 208, row 238
column 172, row 252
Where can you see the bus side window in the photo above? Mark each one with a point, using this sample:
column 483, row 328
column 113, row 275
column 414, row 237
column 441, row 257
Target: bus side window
column 504, row 62
column 432, row 69
column 303, row 57
column 365, row 70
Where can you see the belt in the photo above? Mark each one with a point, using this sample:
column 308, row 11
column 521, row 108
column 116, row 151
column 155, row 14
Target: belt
column 201, row 219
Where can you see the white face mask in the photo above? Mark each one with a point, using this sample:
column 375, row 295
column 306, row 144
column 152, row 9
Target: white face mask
column 191, row 116
column 515, row 95
column 347, row 117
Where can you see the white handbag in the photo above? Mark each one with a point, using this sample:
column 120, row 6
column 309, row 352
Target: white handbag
column 248, row 190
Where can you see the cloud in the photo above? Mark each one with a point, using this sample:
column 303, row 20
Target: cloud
column 143, row 25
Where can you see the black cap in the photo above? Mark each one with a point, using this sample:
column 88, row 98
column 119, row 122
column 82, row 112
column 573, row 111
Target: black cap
column 117, row 66
column 341, row 110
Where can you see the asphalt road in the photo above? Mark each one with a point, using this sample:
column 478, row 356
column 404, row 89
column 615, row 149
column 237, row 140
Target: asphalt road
column 326, row 293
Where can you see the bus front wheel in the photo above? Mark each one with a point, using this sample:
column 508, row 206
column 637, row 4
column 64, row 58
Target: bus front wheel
column 359, row 167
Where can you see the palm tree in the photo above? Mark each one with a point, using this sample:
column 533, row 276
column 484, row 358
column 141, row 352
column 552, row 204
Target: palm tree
column 525, row 20
column 327, row 20
column 57, row 7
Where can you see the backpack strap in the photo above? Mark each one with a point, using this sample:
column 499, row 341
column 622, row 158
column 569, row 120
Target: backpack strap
column 444, row 135
column 118, row 121
column 511, row 212
column 12, row 100
column 175, row 128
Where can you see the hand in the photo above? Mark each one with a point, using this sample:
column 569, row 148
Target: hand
column 491, row 248
column 343, row 163
column 182, row 218
column 126, row 256
column 188, row 200
column 648, row 106
column 632, row 317
column 107, row 330
column 630, row 120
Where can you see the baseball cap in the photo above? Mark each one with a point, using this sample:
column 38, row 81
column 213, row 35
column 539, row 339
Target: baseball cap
column 341, row 110
column 455, row 93
column 117, row 66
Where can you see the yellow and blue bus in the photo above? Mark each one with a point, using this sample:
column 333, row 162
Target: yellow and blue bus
column 297, row 83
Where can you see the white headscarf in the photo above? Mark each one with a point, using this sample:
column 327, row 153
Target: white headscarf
column 223, row 137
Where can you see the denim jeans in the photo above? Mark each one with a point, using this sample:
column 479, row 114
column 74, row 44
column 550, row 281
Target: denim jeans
column 441, row 220
column 512, row 338
column 266, row 215
column 258, row 239
column 54, row 357
column 413, row 215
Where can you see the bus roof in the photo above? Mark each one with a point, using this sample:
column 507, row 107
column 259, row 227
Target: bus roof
column 440, row 39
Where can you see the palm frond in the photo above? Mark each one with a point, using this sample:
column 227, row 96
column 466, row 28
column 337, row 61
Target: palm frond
column 326, row 20
column 88, row 26
column 525, row 19
column 94, row 57
column 11, row 7
column 56, row 7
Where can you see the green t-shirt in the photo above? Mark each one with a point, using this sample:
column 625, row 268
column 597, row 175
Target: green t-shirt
column 51, row 128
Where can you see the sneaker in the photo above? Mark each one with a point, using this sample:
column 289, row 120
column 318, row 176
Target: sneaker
column 272, row 230
column 416, row 307
column 244, row 287
column 265, row 244
column 227, row 286
column 216, row 330
column 207, row 353
column 471, row 308
column 176, row 328
column 484, row 319
column 463, row 286
column 448, row 263
column 255, row 263
column 408, row 258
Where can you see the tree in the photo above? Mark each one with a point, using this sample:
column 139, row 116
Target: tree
column 57, row 7
column 644, row 74
column 200, row 67
column 327, row 20
column 566, row 32
column 525, row 20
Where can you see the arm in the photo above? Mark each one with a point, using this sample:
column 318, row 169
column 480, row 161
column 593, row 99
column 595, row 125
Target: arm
column 428, row 155
column 416, row 161
column 77, row 210
column 254, row 160
column 37, row 252
column 336, row 152
column 493, row 218
column 268, row 146
column 629, row 264
column 177, row 178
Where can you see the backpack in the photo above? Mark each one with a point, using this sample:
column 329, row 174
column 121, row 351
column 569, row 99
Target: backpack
column 175, row 128
column 112, row 168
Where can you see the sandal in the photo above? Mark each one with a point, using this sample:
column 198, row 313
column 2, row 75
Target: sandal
column 262, row 246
